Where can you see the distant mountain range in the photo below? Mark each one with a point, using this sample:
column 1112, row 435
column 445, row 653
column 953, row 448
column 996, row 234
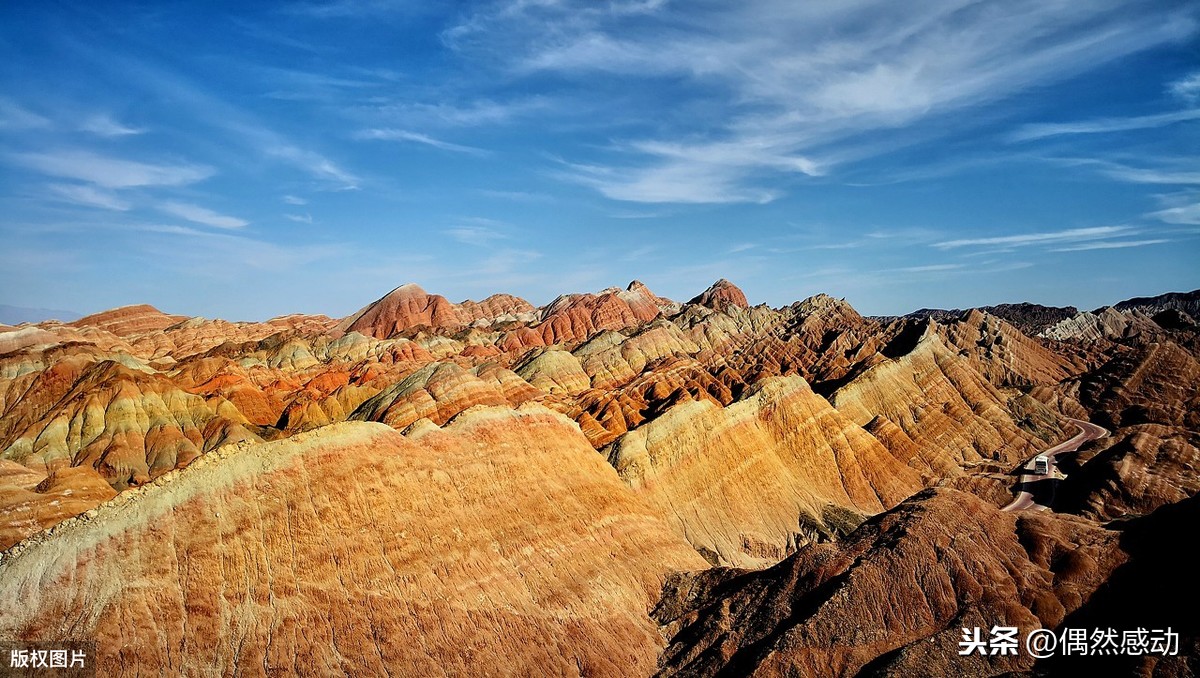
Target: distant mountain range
column 15, row 315
column 1035, row 318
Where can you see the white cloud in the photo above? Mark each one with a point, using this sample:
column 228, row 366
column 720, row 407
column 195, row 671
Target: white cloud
column 1152, row 176
column 1122, row 244
column 1183, row 214
column 478, row 112
column 479, row 236
column 202, row 215
column 1026, row 239
column 89, row 195
column 930, row 268
column 111, row 172
column 1187, row 88
column 517, row 196
column 314, row 163
column 103, row 125
column 796, row 88
column 245, row 132
column 300, row 218
column 669, row 183
column 790, row 88
column 294, row 200
column 1170, row 172
column 14, row 117
column 1103, row 125
column 390, row 134
column 353, row 9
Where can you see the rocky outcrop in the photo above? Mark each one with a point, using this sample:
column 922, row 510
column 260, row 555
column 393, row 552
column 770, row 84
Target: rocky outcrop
column 576, row 317
column 553, row 371
column 409, row 306
column 1106, row 324
column 127, row 321
column 129, row 424
column 1135, row 471
column 31, row 501
column 1030, row 319
column 1156, row 382
column 1003, row 354
column 943, row 405
column 720, row 296
column 893, row 597
column 1187, row 302
column 491, row 535
column 501, row 545
column 438, row 392
column 748, row 483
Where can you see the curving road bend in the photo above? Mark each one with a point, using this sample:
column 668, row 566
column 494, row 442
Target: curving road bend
column 1024, row 500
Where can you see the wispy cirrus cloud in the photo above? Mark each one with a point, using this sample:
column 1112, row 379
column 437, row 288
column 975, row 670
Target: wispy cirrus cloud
column 89, row 196
column 241, row 129
column 109, row 172
column 1051, row 237
column 790, row 90
column 353, row 9
column 483, row 233
column 202, row 215
column 516, row 196
column 392, row 134
column 1102, row 125
column 15, row 117
column 1169, row 171
column 473, row 112
column 104, row 125
column 310, row 161
column 1111, row 245
column 1144, row 175
column 676, row 183
column 1188, row 214
column 1187, row 87
column 930, row 268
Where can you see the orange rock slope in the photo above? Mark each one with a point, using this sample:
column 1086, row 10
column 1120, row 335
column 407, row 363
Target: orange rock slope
column 489, row 487
column 501, row 545
column 892, row 599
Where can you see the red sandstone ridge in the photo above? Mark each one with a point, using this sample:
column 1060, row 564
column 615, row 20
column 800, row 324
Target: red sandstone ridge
column 409, row 306
column 546, row 470
column 500, row 545
column 721, row 295
column 576, row 317
column 127, row 321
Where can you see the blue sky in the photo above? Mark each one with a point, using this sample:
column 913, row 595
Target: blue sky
column 253, row 159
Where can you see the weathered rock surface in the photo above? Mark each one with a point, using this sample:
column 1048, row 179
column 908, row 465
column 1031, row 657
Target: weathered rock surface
column 31, row 502
column 721, row 295
column 409, row 306
column 1003, row 354
column 127, row 321
column 1103, row 324
column 945, row 407
column 501, row 545
column 1133, row 472
column 493, row 535
column 1156, row 382
column 746, row 484
column 892, row 598
column 576, row 317
column 1187, row 302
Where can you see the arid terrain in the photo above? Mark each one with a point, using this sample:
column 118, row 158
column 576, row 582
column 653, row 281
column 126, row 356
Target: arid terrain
column 614, row 484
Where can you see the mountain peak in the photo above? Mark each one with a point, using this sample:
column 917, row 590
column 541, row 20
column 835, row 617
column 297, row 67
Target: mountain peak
column 721, row 295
